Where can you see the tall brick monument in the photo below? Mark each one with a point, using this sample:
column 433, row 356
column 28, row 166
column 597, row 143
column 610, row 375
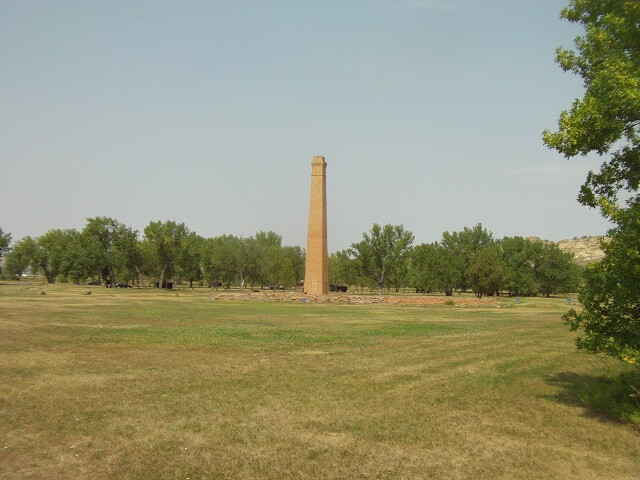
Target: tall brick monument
column 316, row 277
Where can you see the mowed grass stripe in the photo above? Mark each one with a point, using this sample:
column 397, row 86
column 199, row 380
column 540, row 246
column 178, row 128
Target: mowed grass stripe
column 148, row 385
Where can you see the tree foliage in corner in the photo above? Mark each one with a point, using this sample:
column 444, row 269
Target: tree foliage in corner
column 607, row 121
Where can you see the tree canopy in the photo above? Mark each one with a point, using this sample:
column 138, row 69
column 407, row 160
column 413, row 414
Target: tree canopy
column 163, row 242
column 434, row 268
column 109, row 246
column 20, row 257
column 463, row 246
column 607, row 118
column 382, row 252
column 485, row 272
column 520, row 258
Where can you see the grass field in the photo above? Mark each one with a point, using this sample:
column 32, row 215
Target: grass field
column 140, row 384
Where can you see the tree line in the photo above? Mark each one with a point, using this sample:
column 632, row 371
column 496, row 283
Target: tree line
column 109, row 251
column 385, row 258
column 467, row 260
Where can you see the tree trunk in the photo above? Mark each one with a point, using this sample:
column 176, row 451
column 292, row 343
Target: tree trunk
column 161, row 277
column 47, row 275
column 241, row 282
column 113, row 276
column 140, row 276
column 379, row 288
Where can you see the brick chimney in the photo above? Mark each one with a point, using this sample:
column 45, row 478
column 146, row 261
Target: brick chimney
column 316, row 277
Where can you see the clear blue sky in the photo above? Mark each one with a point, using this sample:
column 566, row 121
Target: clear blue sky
column 429, row 114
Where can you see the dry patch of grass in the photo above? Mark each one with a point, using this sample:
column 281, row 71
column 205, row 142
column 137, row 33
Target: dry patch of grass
column 138, row 384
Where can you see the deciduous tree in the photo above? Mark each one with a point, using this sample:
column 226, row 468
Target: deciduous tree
column 212, row 263
column 520, row 258
column 463, row 247
column 556, row 271
column 75, row 264
column 291, row 266
column 20, row 257
column 110, row 247
column 610, row 319
column 237, row 257
column 50, row 252
column 607, row 121
column 341, row 266
column 164, row 242
column 434, row 269
column 190, row 258
column 485, row 273
column 268, row 247
column 381, row 251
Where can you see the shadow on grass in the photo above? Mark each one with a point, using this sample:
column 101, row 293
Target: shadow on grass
column 608, row 399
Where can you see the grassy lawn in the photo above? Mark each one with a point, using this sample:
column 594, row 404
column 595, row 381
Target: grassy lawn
column 140, row 384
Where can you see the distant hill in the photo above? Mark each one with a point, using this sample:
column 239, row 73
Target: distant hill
column 586, row 250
